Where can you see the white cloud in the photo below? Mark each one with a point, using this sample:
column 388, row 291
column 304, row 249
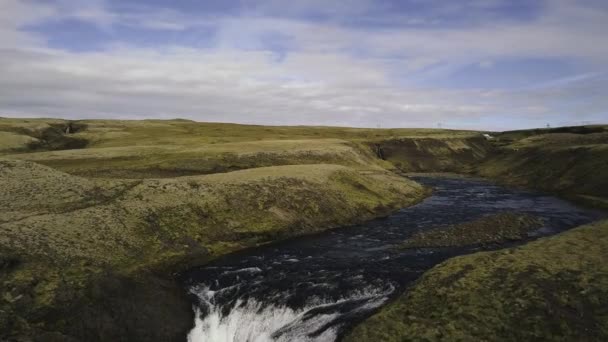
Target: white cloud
column 331, row 74
column 486, row 64
column 15, row 14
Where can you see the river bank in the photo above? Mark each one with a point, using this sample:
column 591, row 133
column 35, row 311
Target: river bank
column 546, row 285
column 92, row 259
column 554, row 288
column 98, row 215
column 316, row 288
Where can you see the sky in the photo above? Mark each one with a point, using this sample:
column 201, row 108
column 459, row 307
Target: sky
column 478, row 64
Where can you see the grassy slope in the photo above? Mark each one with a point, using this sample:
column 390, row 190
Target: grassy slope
column 489, row 296
column 554, row 289
column 560, row 161
column 152, row 148
column 80, row 254
column 167, row 161
column 50, row 213
column 573, row 165
column 457, row 153
column 61, row 231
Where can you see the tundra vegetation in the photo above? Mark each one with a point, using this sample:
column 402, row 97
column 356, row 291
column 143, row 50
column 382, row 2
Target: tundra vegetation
column 97, row 216
column 552, row 289
column 555, row 288
column 490, row 229
column 569, row 161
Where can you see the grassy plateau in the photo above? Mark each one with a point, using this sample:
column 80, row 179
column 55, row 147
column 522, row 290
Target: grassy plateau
column 97, row 216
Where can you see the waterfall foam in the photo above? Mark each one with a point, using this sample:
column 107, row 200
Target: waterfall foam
column 253, row 321
column 310, row 288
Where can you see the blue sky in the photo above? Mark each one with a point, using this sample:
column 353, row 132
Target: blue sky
column 484, row 64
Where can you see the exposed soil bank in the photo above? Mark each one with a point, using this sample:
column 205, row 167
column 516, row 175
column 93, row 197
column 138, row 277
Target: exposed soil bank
column 446, row 154
column 487, row 230
column 577, row 172
column 571, row 162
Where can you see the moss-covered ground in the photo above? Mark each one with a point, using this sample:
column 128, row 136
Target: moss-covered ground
column 60, row 230
column 553, row 289
column 154, row 148
column 490, row 229
column 572, row 162
column 96, row 216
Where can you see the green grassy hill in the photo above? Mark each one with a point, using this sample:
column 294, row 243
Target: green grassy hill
column 159, row 149
column 62, row 232
column 553, row 289
column 97, row 215
column 570, row 161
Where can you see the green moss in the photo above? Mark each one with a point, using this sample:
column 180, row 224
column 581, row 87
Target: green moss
column 170, row 161
column 570, row 165
column 155, row 148
column 495, row 228
column 552, row 289
column 138, row 199
column 59, row 231
column 433, row 154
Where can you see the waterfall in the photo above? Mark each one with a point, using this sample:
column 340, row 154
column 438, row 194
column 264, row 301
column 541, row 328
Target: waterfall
column 250, row 320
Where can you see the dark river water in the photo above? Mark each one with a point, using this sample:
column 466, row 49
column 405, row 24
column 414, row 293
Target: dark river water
column 315, row 288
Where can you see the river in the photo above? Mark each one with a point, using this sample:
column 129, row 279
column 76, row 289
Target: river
column 315, row 288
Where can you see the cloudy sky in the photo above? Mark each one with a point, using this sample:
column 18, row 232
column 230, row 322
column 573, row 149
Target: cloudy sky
column 493, row 64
